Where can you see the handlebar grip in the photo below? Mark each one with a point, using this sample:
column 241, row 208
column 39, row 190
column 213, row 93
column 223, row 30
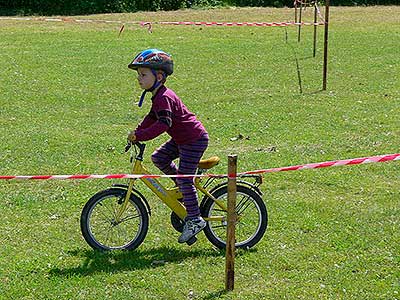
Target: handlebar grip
column 128, row 146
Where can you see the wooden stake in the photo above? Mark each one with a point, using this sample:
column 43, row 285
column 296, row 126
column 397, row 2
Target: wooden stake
column 300, row 19
column 325, row 69
column 315, row 29
column 230, row 235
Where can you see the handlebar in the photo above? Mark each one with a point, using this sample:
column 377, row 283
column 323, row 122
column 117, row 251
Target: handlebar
column 128, row 146
column 140, row 146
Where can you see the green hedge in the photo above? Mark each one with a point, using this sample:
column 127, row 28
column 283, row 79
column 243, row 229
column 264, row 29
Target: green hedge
column 73, row 7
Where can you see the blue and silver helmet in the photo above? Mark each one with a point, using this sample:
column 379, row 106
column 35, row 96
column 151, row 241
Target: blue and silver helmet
column 154, row 59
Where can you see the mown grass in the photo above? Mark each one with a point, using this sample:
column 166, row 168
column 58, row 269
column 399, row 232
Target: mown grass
column 68, row 100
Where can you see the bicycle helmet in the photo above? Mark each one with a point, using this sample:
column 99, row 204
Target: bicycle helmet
column 155, row 60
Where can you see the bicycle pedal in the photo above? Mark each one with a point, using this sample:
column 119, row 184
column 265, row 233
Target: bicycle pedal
column 191, row 241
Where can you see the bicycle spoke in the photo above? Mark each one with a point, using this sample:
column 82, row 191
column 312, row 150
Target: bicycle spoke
column 107, row 208
column 219, row 226
column 243, row 205
column 129, row 218
column 120, row 232
column 102, row 210
column 107, row 235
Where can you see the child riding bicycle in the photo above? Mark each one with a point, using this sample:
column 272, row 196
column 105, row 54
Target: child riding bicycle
column 189, row 138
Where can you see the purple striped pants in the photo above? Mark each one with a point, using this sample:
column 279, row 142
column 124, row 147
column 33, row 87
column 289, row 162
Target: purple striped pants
column 189, row 156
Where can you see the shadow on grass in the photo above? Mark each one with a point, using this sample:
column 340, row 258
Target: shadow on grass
column 314, row 92
column 215, row 295
column 117, row 261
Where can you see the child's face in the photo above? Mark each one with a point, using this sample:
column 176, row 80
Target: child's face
column 145, row 78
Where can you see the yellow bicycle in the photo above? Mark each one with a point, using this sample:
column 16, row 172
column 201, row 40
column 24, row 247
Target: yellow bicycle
column 118, row 217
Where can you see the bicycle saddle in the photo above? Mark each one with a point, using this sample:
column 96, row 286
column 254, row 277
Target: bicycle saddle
column 209, row 163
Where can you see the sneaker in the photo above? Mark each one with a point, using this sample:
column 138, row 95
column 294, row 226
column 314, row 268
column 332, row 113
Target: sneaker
column 191, row 228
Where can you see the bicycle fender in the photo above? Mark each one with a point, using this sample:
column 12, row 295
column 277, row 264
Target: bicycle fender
column 123, row 188
column 225, row 184
column 238, row 182
column 250, row 185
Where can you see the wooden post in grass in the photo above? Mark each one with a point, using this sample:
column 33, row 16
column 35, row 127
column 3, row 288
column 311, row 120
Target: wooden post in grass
column 300, row 19
column 230, row 235
column 315, row 29
column 325, row 69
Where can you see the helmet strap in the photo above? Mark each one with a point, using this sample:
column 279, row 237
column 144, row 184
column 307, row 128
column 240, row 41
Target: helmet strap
column 142, row 98
column 156, row 84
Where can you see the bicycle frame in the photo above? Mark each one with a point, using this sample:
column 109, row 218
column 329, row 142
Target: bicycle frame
column 170, row 196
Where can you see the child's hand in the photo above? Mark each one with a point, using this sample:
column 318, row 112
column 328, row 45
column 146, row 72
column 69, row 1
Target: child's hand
column 132, row 136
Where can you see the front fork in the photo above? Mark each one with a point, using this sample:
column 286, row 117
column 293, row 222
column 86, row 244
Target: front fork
column 122, row 208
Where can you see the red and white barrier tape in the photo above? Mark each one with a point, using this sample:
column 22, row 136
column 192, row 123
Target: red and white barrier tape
column 354, row 161
column 146, row 23
column 334, row 163
column 105, row 176
column 269, row 24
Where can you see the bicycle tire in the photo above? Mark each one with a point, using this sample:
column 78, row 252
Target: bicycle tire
column 98, row 225
column 251, row 211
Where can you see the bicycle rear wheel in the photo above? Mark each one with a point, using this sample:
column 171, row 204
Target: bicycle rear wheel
column 252, row 218
column 100, row 228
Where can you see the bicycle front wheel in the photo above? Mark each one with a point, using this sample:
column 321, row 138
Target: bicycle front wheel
column 252, row 218
column 102, row 230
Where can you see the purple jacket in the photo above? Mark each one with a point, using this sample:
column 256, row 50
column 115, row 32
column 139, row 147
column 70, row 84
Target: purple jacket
column 169, row 114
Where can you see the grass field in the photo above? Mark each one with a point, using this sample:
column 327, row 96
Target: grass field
column 68, row 100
